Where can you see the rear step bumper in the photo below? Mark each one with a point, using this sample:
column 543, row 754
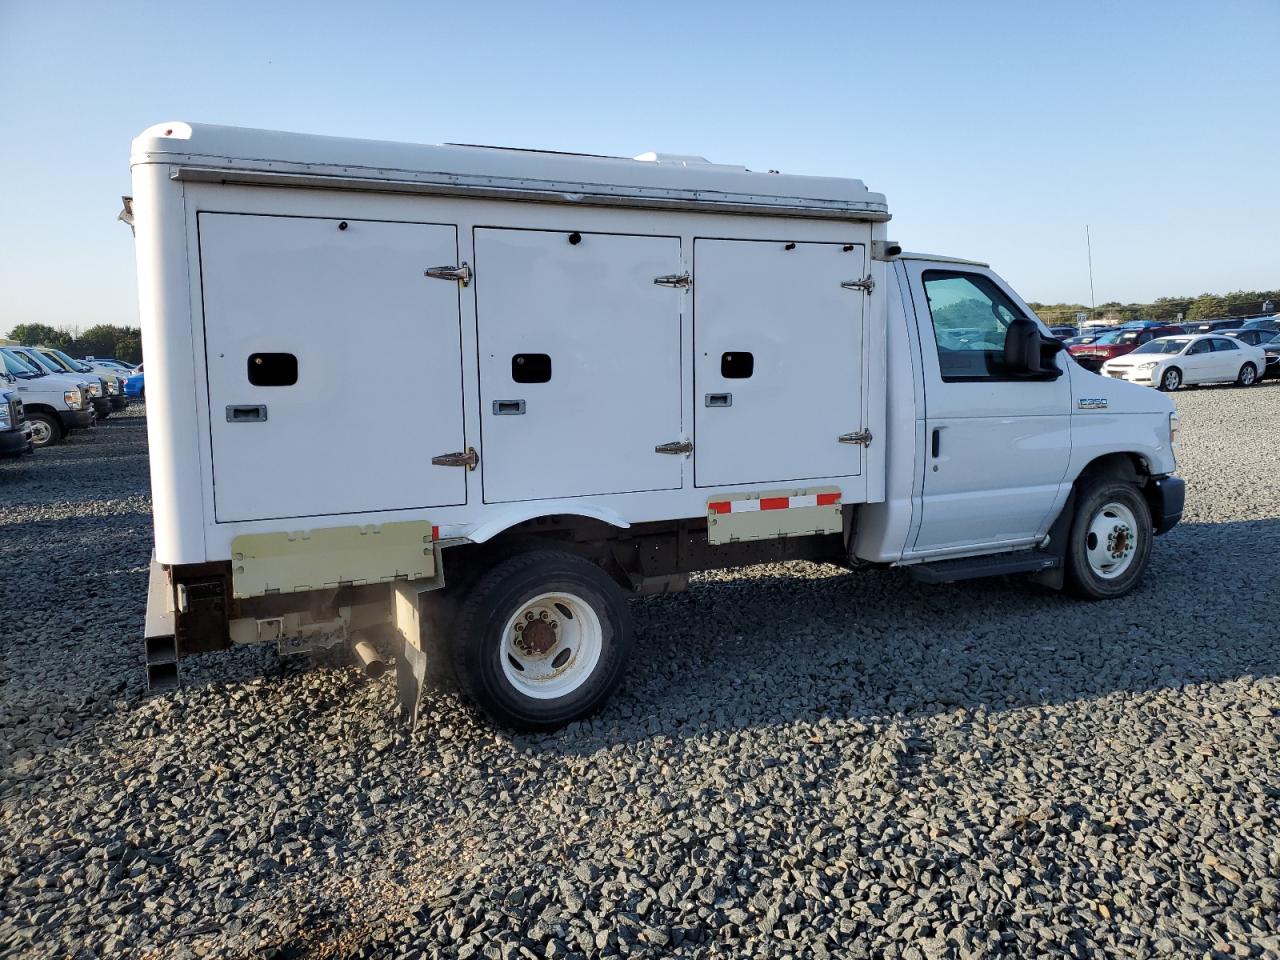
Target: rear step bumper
column 995, row 565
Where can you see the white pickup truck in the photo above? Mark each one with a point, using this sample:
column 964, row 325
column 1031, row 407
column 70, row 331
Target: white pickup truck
column 593, row 376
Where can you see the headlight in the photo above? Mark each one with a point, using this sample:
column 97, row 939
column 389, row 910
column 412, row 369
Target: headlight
column 71, row 398
column 111, row 386
column 4, row 417
column 1146, row 364
column 95, row 389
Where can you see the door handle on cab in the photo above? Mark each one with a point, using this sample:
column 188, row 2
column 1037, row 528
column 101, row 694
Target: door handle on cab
column 937, row 441
column 246, row 412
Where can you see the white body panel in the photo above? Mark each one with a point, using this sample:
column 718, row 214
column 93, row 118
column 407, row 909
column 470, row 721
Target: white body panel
column 780, row 304
column 304, row 287
column 613, row 339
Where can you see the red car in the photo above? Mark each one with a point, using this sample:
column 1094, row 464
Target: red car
column 1117, row 343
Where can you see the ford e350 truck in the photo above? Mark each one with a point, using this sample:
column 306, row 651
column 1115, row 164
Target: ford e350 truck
column 594, row 376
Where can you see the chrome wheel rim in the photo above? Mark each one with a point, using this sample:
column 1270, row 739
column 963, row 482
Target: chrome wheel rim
column 1247, row 375
column 1112, row 540
column 1172, row 380
column 551, row 645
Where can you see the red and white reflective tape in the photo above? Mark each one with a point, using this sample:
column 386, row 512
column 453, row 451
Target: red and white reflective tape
column 773, row 503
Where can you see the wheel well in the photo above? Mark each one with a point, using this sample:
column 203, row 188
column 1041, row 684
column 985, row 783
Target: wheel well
column 29, row 408
column 1125, row 466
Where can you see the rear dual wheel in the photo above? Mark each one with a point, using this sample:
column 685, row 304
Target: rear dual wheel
column 541, row 640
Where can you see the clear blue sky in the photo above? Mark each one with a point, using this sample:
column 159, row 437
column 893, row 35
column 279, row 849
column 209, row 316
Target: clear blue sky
column 997, row 130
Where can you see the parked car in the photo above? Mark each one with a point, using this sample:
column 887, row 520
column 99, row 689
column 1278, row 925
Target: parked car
column 1170, row 362
column 15, row 432
column 1271, row 350
column 1214, row 326
column 97, row 386
column 135, row 385
column 1080, row 338
column 113, row 380
column 109, row 362
column 54, row 403
column 1063, row 332
column 1117, row 343
column 1262, row 323
column 1253, row 336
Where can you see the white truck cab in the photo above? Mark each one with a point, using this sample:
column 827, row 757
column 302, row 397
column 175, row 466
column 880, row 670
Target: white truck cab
column 596, row 375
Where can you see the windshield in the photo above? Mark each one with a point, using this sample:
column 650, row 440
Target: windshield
column 37, row 359
column 59, row 364
column 72, row 363
column 20, row 366
column 1164, row 345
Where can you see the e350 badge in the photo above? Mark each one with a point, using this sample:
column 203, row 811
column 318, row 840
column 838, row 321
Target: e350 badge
column 1092, row 403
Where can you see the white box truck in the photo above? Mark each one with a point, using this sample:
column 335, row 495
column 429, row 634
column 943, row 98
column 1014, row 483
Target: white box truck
column 581, row 377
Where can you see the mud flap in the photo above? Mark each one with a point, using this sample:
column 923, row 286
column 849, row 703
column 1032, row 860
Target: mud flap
column 411, row 659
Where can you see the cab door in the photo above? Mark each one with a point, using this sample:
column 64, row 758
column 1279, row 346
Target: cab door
column 997, row 446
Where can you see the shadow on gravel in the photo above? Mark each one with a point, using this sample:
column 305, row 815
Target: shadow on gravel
column 740, row 650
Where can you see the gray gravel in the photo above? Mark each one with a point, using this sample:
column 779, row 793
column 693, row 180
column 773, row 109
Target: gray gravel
column 803, row 762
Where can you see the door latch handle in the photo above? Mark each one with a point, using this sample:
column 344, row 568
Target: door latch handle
column 675, row 447
column 468, row 458
column 246, row 412
column 508, row 408
column 862, row 437
column 719, row 399
column 462, row 274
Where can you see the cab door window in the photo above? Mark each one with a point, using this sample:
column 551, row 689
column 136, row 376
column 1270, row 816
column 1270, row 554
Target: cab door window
column 971, row 316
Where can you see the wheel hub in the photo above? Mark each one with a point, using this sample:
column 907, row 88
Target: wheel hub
column 536, row 637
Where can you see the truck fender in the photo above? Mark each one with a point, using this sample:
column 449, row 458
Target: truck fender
column 520, row 513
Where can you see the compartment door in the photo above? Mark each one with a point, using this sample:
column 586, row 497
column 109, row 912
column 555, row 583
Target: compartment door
column 579, row 363
column 334, row 365
column 778, row 361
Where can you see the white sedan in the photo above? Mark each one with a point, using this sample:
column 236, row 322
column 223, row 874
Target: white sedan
column 1169, row 362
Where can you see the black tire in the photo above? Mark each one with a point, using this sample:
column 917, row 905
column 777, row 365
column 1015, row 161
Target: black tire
column 1171, row 380
column 478, row 646
column 45, row 425
column 1247, row 376
column 1093, row 497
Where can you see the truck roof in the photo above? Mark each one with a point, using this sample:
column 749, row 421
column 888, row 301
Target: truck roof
column 207, row 152
column 939, row 258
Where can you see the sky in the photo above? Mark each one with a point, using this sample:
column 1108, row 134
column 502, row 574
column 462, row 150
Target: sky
column 998, row 131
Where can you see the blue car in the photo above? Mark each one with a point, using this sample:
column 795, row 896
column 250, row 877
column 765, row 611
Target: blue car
column 135, row 384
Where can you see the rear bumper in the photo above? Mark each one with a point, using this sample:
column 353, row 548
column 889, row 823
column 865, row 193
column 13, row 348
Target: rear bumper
column 1166, row 496
column 76, row 419
column 14, row 443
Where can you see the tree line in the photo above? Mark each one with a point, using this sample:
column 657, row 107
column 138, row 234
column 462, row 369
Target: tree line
column 102, row 340
column 1207, row 306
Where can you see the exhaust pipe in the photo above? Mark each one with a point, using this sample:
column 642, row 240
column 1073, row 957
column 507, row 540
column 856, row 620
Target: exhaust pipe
column 370, row 660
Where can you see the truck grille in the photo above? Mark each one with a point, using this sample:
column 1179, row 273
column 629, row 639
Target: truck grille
column 84, row 398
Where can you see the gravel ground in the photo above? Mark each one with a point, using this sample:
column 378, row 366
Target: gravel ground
column 803, row 762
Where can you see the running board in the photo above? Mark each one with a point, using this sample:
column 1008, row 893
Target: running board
column 993, row 565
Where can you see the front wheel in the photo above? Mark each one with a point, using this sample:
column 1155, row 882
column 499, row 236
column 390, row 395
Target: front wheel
column 1171, row 380
column 1248, row 375
column 541, row 640
column 1110, row 542
column 45, row 428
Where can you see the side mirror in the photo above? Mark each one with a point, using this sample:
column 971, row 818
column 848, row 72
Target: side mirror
column 1028, row 354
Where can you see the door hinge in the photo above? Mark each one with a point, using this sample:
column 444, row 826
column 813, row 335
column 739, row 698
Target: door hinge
column 469, row 459
column 867, row 284
column 675, row 447
column 462, row 274
column 862, row 437
column 674, row 280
